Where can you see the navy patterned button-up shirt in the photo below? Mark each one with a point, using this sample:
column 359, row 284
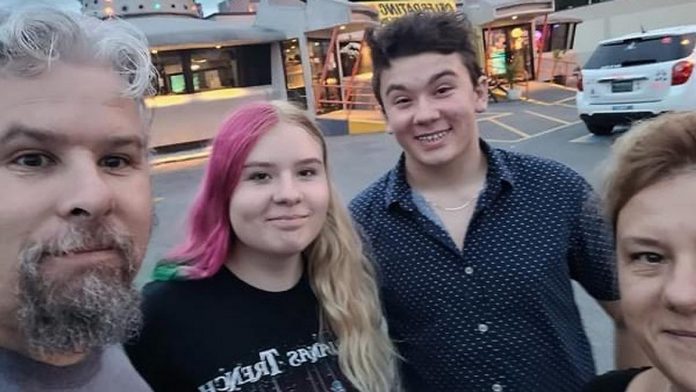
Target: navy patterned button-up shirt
column 500, row 314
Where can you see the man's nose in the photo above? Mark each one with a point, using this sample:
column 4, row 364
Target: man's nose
column 87, row 192
column 426, row 111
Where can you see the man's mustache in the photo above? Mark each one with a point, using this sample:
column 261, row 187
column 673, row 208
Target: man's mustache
column 79, row 238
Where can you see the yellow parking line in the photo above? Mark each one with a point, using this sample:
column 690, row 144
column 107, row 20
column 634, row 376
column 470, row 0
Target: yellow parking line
column 547, row 117
column 509, row 128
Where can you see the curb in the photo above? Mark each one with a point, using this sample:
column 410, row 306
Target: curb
column 183, row 156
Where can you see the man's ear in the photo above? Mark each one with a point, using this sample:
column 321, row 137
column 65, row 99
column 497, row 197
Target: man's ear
column 481, row 91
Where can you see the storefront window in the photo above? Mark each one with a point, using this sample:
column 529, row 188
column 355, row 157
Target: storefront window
column 294, row 80
column 192, row 71
column 509, row 52
column 213, row 69
column 171, row 73
column 498, row 52
column 560, row 36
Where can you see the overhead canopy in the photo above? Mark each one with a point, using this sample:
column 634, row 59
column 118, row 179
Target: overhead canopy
column 166, row 32
column 315, row 17
column 482, row 12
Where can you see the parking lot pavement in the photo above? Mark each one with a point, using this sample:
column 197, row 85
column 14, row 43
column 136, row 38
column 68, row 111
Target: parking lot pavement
column 545, row 108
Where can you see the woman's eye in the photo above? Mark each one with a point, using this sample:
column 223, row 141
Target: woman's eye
column 259, row 176
column 33, row 160
column 647, row 257
column 308, row 172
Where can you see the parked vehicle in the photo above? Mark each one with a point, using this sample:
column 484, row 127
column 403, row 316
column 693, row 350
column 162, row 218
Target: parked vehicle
column 637, row 76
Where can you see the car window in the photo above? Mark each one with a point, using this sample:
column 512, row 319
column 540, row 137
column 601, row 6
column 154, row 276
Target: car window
column 639, row 51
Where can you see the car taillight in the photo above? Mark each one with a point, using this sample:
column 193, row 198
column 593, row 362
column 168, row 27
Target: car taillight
column 579, row 83
column 681, row 72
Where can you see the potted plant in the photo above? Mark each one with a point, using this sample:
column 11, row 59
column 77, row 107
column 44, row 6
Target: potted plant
column 557, row 78
column 513, row 69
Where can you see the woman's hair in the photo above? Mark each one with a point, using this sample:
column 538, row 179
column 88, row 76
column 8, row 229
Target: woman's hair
column 34, row 37
column 342, row 278
column 649, row 153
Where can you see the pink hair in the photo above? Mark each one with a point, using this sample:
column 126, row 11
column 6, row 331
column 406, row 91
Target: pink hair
column 209, row 233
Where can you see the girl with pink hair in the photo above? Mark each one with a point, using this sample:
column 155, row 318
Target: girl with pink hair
column 270, row 291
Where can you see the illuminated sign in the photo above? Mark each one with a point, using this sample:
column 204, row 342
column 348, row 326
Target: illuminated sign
column 389, row 10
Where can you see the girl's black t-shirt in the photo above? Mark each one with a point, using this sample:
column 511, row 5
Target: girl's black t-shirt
column 221, row 334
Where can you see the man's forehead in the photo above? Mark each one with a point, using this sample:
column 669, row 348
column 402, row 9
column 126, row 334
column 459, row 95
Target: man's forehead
column 64, row 82
column 51, row 98
column 421, row 70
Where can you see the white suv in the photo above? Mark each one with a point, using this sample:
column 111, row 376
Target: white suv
column 637, row 76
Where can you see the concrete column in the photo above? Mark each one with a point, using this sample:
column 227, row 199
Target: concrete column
column 278, row 80
column 307, row 74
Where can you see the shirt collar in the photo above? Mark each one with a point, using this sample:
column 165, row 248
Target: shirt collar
column 500, row 175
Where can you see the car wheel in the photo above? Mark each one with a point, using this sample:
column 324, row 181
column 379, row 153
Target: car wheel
column 600, row 130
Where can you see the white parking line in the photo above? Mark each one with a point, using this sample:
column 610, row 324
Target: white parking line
column 560, row 101
column 509, row 128
column 495, row 117
column 547, row 117
column 587, row 139
column 536, row 102
column 555, row 129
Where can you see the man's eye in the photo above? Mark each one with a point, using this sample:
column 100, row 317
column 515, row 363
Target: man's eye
column 33, row 160
column 114, row 162
column 443, row 90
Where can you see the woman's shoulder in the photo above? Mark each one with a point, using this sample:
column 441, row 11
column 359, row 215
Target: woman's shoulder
column 613, row 381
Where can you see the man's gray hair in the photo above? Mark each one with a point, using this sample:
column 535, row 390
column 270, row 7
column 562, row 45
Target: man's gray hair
column 33, row 37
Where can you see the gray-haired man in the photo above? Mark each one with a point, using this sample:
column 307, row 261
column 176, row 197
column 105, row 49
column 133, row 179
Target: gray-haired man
column 75, row 204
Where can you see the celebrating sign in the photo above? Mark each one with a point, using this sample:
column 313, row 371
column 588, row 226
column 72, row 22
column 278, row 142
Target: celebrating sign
column 389, row 10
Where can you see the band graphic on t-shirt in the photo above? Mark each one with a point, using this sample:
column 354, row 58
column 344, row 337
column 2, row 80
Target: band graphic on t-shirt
column 310, row 368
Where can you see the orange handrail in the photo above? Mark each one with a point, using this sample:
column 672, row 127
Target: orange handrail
column 354, row 71
column 544, row 36
column 325, row 68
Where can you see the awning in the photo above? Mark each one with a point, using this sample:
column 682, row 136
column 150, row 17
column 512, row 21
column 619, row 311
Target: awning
column 167, row 32
column 482, row 12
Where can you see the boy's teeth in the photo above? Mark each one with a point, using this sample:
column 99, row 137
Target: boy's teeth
column 432, row 137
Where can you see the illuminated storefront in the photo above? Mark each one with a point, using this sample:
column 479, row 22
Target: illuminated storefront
column 519, row 39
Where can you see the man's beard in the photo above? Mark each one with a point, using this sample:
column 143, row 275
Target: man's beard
column 88, row 307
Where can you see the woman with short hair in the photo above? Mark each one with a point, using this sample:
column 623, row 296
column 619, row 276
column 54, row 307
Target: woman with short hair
column 651, row 201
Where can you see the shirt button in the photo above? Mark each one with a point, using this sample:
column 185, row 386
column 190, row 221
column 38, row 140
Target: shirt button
column 497, row 388
column 483, row 328
column 469, row 270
